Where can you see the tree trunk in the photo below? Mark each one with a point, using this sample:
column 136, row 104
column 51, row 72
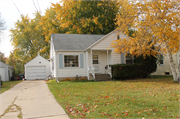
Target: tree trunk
column 172, row 65
column 171, row 62
column 179, row 66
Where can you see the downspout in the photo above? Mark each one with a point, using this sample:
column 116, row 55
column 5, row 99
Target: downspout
column 56, row 68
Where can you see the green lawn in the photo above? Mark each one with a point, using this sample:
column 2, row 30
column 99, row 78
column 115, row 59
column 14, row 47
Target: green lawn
column 8, row 84
column 156, row 97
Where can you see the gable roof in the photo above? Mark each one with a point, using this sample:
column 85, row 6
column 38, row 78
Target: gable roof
column 38, row 56
column 3, row 65
column 73, row 42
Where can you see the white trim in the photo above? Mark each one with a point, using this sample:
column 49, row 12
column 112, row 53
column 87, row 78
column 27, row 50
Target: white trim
column 56, row 66
column 87, row 64
column 91, row 60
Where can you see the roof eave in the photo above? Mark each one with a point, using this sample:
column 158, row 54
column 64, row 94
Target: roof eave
column 69, row 50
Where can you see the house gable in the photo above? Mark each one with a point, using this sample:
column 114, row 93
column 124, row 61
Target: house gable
column 37, row 61
column 105, row 42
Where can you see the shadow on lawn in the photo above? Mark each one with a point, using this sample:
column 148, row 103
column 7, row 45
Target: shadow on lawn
column 158, row 79
column 152, row 78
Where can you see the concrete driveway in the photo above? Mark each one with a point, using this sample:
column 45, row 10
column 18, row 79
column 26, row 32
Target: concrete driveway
column 30, row 100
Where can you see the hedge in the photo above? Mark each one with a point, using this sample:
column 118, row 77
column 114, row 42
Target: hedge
column 129, row 71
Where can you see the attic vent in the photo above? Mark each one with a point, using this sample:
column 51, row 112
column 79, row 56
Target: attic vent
column 166, row 73
column 118, row 37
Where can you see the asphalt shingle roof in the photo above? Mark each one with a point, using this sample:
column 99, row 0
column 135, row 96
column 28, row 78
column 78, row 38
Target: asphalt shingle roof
column 73, row 42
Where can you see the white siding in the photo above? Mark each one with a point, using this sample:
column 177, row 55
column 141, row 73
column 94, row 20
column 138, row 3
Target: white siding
column 71, row 71
column 106, row 42
column 4, row 71
column 3, row 74
column 161, row 69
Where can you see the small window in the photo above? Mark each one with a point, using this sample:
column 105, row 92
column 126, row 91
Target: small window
column 129, row 59
column 71, row 61
column 161, row 59
column 118, row 37
column 95, row 59
column 167, row 73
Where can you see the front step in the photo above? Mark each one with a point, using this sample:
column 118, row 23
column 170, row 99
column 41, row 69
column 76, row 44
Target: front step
column 102, row 77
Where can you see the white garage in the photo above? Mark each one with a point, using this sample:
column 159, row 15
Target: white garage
column 37, row 68
column 6, row 71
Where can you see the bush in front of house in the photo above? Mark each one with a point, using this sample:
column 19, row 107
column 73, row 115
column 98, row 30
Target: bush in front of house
column 128, row 71
column 141, row 68
column 149, row 61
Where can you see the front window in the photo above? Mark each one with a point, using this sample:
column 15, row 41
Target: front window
column 129, row 59
column 71, row 61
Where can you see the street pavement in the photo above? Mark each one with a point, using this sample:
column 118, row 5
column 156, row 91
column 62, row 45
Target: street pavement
column 30, row 100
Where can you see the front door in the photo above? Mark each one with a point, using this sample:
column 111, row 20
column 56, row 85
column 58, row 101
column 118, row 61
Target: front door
column 96, row 63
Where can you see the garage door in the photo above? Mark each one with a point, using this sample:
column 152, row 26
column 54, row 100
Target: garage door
column 36, row 72
column 2, row 73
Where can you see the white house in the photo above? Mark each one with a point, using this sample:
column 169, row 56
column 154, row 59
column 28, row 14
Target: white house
column 163, row 67
column 74, row 55
column 6, row 71
column 37, row 68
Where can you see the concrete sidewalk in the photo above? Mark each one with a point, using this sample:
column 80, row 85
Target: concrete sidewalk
column 30, row 100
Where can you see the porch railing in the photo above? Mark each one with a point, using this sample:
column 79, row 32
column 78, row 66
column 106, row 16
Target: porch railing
column 91, row 70
column 109, row 71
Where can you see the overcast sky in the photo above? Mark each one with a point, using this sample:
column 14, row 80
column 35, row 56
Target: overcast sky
column 10, row 15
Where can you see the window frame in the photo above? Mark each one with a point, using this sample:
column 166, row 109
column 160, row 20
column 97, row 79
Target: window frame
column 71, row 55
column 95, row 59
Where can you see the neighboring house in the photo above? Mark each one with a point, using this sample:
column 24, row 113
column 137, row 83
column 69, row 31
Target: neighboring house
column 37, row 68
column 74, row 55
column 163, row 66
column 6, row 71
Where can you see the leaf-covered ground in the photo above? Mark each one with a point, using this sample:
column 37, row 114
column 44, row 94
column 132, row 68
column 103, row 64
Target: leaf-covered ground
column 141, row 98
column 8, row 84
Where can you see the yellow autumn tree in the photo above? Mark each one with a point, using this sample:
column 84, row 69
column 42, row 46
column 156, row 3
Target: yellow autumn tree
column 78, row 17
column 156, row 29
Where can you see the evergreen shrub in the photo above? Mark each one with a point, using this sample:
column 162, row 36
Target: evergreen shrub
column 140, row 69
